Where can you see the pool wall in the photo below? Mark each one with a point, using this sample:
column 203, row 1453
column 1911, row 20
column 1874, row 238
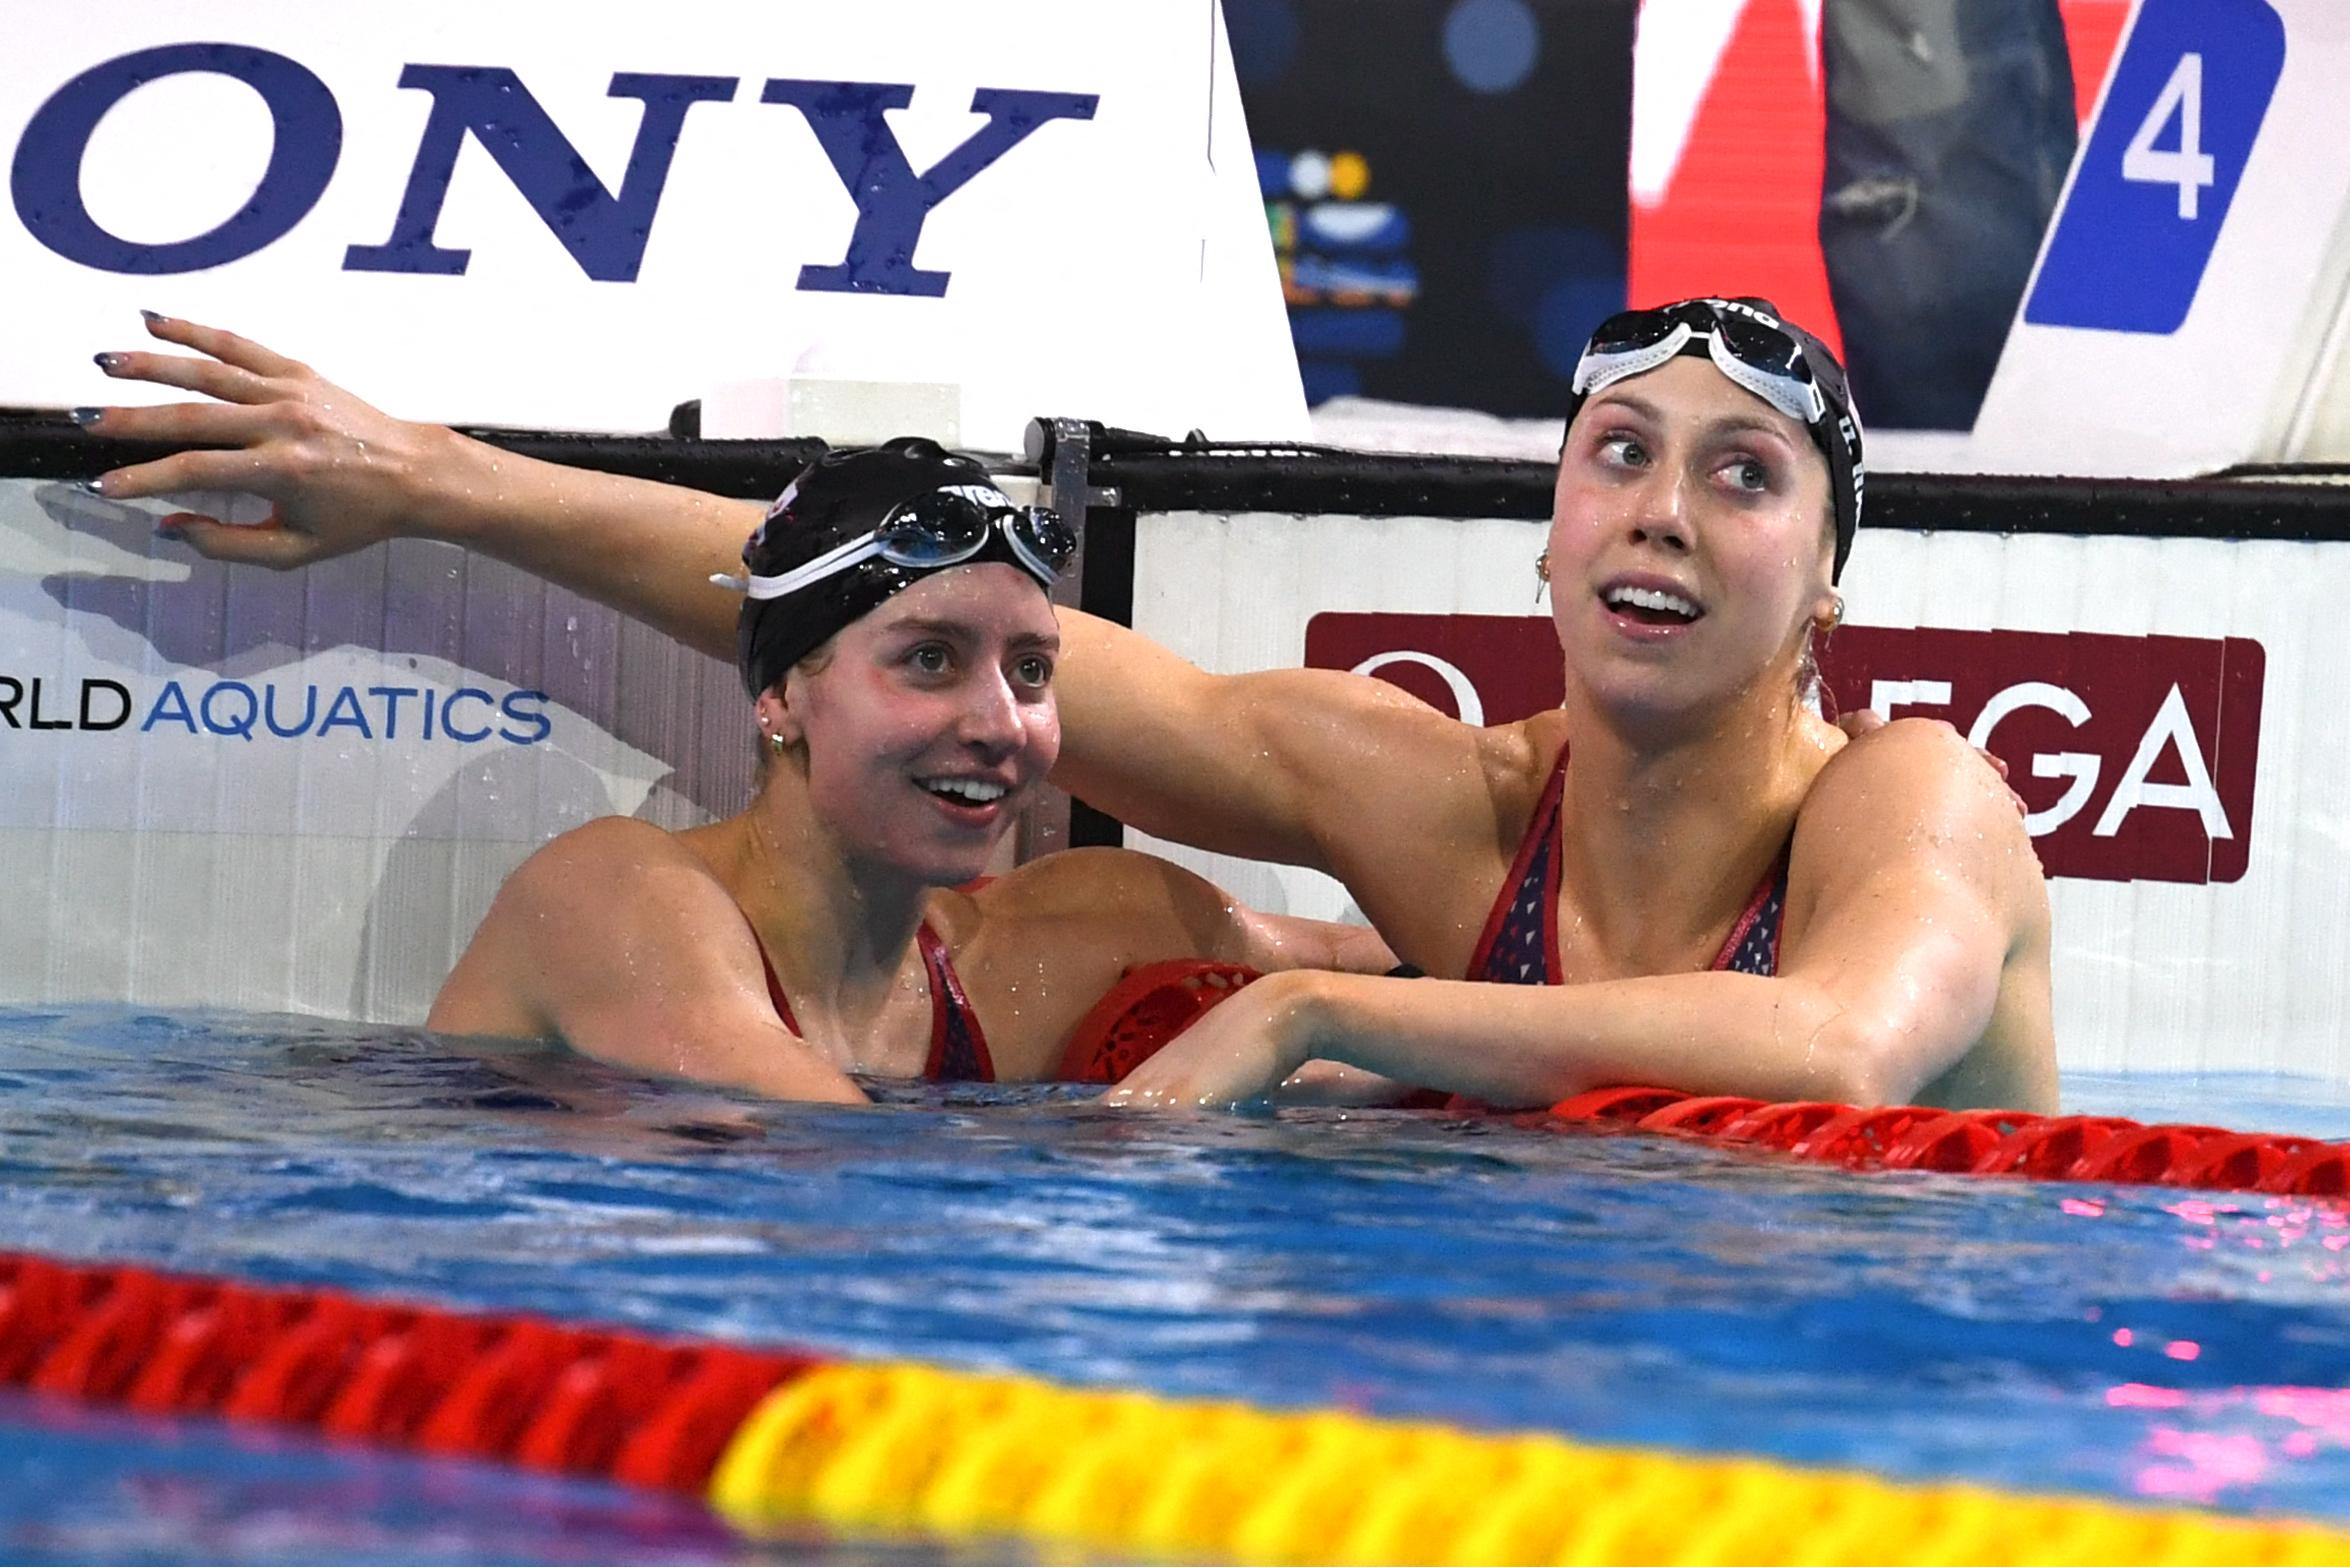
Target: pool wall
column 299, row 792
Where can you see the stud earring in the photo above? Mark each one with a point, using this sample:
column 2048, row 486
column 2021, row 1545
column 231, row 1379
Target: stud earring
column 1541, row 575
column 1834, row 617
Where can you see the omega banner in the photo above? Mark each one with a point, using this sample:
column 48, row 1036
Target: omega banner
column 2135, row 756
column 2168, row 710
column 576, row 217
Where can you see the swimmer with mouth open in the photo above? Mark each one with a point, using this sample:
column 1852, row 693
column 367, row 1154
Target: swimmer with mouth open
column 1720, row 895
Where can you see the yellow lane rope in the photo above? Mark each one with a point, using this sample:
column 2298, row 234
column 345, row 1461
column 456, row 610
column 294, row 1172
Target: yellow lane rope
column 905, row 1449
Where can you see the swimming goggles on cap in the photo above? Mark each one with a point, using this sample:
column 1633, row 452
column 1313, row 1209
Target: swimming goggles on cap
column 1745, row 344
column 940, row 528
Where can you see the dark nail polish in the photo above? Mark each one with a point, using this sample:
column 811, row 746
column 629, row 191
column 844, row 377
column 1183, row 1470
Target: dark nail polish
column 106, row 362
column 95, row 486
column 169, row 530
column 85, row 417
column 152, row 316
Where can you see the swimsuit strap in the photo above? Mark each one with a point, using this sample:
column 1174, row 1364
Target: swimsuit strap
column 1753, row 943
column 958, row 1046
column 1520, row 943
column 774, row 985
column 1517, row 947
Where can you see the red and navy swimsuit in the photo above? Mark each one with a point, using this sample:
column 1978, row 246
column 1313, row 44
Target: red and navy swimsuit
column 1520, row 944
column 958, row 1046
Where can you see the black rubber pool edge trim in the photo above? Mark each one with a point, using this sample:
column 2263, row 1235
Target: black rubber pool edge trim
column 2272, row 504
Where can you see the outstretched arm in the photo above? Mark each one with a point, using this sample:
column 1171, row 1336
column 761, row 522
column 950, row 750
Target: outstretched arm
column 1930, row 889
column 1254, row 764
column 343, row 475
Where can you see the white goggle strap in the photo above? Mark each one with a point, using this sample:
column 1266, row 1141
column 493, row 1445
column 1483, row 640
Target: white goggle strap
column 1798, row 400
column 1596, row 371
column 837, row 559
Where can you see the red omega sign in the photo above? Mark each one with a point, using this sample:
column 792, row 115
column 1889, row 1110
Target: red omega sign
column 2135, row 756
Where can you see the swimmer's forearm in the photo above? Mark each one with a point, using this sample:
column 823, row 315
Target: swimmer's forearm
column 646, row 549
column 1328, row 1085
column 1513, row 1045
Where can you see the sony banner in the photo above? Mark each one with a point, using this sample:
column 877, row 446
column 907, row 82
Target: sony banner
column 2165, row 709
column 511, row 215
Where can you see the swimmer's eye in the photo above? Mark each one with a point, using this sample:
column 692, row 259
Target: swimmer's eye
column 1748, row 474
column 930, row 658
column 1623, row 447
column 1033, row 670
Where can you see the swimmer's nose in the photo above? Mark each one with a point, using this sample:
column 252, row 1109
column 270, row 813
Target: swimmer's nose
column 991, row 718
column 1661, row 515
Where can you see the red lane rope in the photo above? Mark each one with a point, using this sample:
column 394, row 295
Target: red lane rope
column 1146, row 1008
column 514, row 1389
column 1151, row 1006
column 1985, row 1142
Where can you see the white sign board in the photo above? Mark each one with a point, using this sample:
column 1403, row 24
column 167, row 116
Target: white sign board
column 2191, row 306
column 578, row 216
column 2169, row 710
column 298, row 793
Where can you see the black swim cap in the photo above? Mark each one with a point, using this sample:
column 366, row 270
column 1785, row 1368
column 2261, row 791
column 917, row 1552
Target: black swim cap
column 843, row 498
column 1764, row 348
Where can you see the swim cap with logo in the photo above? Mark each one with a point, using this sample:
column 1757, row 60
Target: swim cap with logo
column 857, row 527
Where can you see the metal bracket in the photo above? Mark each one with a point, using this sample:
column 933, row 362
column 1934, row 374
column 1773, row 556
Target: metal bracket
column 1062, row 450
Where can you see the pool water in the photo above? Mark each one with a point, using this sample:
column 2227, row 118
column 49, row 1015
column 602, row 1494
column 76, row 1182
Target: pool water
column 2131, row 1343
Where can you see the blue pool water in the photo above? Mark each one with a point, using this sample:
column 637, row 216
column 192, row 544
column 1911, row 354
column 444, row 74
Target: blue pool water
column 2121, row 1342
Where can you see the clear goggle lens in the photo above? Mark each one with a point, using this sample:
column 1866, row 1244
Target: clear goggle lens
column 941, row 528
column 1751, row 352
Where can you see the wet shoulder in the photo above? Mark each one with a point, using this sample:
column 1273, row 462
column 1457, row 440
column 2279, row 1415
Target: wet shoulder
column 1914, row 774
column 1106, row 895
column 611, row 846
column 1519, row 761
column 612, row 891
column 611, row 875
column 1915, row 799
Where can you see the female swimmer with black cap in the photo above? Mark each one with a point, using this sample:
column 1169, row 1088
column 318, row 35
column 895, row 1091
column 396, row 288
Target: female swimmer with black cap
column 898, row 646
column 1719, row 895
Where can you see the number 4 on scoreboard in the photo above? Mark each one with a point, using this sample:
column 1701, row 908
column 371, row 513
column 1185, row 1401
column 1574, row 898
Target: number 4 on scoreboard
column 2152, row 188
column 2188, row 167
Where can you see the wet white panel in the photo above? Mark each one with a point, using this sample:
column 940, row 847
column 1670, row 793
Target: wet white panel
column 2237, row 969
column 298, row 792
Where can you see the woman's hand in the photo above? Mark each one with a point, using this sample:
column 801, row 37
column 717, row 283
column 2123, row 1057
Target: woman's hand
column 339, row 473
column 1243, row 1049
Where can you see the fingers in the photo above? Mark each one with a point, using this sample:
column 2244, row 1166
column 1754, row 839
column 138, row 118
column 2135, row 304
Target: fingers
column 240, row 352
column 185, row 471
column 188, row 424
column 279, row 548
column 229, row 383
